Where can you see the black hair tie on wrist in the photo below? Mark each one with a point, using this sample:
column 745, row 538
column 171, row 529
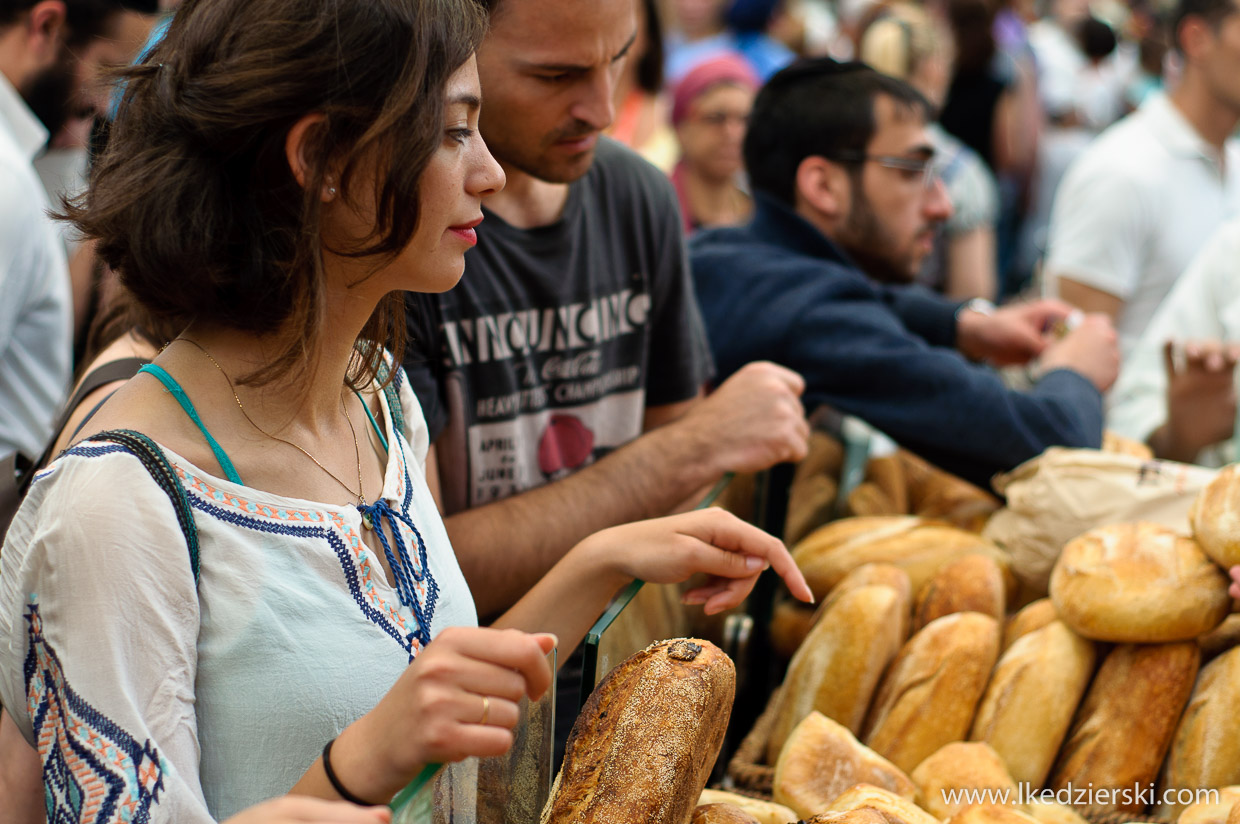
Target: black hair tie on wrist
column 335, row 782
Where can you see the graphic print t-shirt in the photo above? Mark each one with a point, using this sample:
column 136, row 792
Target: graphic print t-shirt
column 546, row 354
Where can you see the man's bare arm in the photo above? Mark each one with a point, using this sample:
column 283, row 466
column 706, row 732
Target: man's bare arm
column 1088, row 299
column 753, row 421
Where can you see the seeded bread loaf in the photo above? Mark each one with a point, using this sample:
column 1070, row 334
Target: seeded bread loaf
column 646, row 740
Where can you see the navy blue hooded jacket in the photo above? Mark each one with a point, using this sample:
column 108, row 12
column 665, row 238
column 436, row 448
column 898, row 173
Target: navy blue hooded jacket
column 779, row 290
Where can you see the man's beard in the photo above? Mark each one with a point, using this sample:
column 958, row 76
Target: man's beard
column 49, row 95
column 870, row 245
column 543, row 166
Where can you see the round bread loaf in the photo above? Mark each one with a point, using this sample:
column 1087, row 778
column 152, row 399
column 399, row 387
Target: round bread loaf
column 1138, row 583
column 1215, row 517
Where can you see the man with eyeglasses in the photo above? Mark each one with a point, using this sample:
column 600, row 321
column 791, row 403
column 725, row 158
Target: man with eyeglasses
column 846, row 204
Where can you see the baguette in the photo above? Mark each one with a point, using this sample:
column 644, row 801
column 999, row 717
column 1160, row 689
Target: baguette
column 1220, row 639
column 961, row 766
column 838, row 667
column 1047, row 812
column 1031, row 698
column 822, row 759
column 766, row 812
column 861, row 815
column 931, row 691
column 1218, row 810
column 991, row 814
column 917, row 546
column 1205, row 751
column 721, row 814
column 894, row 808
column 668, row 704
column 868, row 499
column 1123, row 728
column 1031, row 617
column 973, row 583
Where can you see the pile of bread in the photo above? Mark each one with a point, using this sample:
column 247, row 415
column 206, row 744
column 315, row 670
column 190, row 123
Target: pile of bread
column 914, row 680
column 899, row 483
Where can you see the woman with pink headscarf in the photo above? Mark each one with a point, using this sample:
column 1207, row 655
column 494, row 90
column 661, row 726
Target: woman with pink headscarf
column 710, row 109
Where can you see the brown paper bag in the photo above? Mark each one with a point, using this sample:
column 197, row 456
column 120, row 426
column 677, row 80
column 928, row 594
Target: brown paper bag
column 1066, row 492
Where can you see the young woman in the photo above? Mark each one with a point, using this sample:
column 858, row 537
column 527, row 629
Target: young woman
column 279, row 171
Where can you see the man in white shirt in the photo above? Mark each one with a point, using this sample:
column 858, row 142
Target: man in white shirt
column 42, row 84
column 1140, row 202
column 1177, row 391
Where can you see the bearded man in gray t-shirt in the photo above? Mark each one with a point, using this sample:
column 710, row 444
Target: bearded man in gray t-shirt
column 562, row 378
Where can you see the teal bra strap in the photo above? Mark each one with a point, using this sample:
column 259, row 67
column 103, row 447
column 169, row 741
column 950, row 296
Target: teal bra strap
column 172, row 386
column 373, row 422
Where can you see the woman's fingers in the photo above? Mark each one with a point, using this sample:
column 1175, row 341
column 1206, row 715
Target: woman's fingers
column 509, row 649
column 728, row 533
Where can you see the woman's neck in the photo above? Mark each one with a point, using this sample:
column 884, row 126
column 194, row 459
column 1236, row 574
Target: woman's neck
column 715, row 201
column 307, row 399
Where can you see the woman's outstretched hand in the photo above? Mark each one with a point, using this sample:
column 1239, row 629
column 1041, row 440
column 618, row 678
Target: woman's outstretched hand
column 459, row 698
column 731, row 553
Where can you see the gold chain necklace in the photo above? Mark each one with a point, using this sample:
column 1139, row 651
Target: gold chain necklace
column 357, row 452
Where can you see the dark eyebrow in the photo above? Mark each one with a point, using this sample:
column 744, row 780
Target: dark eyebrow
column 925, row 151
column 627, row 46
column 569, row 68
column 472, row 101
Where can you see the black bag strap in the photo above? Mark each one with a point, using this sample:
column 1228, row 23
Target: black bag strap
column 156, row 463
column 110, row 372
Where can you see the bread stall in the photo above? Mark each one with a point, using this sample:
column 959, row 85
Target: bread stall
column 954, row 669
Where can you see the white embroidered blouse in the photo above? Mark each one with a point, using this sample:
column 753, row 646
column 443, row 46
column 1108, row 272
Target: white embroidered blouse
column 152, row 700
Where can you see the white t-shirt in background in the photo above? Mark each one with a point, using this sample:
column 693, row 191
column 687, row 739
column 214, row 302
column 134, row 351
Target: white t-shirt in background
column 36, row 302
column 1136, row 207
column 1204, row 305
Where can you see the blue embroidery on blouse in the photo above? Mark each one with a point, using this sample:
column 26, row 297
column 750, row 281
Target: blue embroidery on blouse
column 93, row 771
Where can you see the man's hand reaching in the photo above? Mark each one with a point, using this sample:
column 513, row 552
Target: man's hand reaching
column 753, row 421
column 1011, row 336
